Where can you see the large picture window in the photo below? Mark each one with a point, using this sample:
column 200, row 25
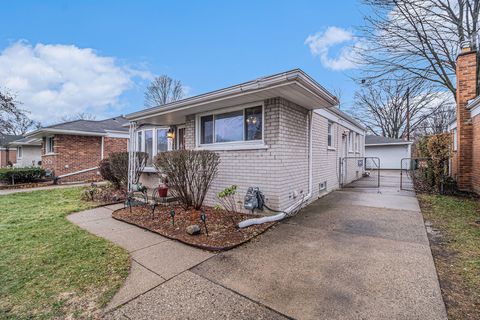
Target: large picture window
column 233, row 126
column 229, row 126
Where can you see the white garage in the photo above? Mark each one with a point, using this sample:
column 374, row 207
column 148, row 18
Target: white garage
column 389, row 151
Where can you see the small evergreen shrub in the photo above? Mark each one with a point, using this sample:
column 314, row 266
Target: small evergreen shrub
column 107, row 174
column 21, row 175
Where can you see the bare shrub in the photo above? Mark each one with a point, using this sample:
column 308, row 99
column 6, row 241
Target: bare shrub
column 190, row 174
column 119, row 166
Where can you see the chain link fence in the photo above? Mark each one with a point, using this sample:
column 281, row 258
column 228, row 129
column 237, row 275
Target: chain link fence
column 360, row 172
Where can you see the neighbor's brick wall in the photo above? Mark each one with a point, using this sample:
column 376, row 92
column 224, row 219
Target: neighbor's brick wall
column 75, row 153
column 476, row 154
column 5, row 156
column 466, row 90
column 112, row 145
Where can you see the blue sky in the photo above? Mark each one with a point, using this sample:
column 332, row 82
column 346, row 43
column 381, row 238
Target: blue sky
column 63, row 57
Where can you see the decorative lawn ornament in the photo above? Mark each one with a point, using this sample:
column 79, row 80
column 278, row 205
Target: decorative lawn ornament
column 172, row 214
column 203, row 217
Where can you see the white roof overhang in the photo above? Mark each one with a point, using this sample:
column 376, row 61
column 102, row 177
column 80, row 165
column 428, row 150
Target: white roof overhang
column 294, row 86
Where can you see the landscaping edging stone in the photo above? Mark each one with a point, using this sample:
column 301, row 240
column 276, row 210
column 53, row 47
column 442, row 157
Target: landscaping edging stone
column 199, row 246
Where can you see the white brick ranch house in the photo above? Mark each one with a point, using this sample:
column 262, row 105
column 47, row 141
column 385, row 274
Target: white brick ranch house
column 282, row 133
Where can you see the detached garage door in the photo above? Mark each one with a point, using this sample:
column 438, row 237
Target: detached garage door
column 389, row 155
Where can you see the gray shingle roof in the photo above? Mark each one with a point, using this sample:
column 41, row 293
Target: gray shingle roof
column 7, row 138
column 372, row 139
column 100, row 126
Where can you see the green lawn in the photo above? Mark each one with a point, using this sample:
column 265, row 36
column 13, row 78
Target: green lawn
column 456, row 251
column 50, row 268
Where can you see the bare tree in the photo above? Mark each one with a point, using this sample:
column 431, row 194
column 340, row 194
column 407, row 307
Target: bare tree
column 23, row 124
column 78, row 116
column 437, row 122
column 338, row 93
column 163, row 90
column 382, row 106
column 13, row 119
column 418, row 39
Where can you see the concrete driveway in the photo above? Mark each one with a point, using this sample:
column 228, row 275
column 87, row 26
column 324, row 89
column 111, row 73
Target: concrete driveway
column 354, row 254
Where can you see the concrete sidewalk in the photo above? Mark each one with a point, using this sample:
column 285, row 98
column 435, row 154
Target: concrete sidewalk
column 355, row 254
column 160, row 282
column 49, row 187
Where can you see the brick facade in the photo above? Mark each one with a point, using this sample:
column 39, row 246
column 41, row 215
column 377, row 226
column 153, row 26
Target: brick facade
column 281, row 169
column 466, row 90
column 74, row 153
column 112, row 145
column 7, row 155
column 475, row 183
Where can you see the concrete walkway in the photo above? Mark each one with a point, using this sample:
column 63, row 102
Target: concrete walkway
column 354, row 254
column 11, row 191
column 160, row 282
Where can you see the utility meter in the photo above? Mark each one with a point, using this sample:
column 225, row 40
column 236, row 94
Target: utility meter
column 254, row 199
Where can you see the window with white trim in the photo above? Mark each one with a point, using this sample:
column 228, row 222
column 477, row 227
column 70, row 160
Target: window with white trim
column 139, row 141
column 357, row 142
column 19, row 152
column 350, row 141
column 162, row 140
column 455, row 137
column 49, row 145
column 152, row 141
column 149, row 146
column 330, row 134
column 242, row 124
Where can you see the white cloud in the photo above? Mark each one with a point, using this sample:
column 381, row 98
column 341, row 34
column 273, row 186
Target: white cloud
column 55, row 80
column 322, row 43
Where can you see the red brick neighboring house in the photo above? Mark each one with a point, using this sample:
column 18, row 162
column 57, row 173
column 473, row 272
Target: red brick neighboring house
column 73, row 150
column 8, row 155
column 465, row 129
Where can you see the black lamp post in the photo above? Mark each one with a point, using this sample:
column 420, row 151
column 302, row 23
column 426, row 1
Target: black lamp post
column 172, row 214
column 203, row 217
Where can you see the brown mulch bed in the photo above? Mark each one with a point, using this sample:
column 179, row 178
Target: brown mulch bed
column 223, row 233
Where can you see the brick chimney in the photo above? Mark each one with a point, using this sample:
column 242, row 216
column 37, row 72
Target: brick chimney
column 466, row 90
